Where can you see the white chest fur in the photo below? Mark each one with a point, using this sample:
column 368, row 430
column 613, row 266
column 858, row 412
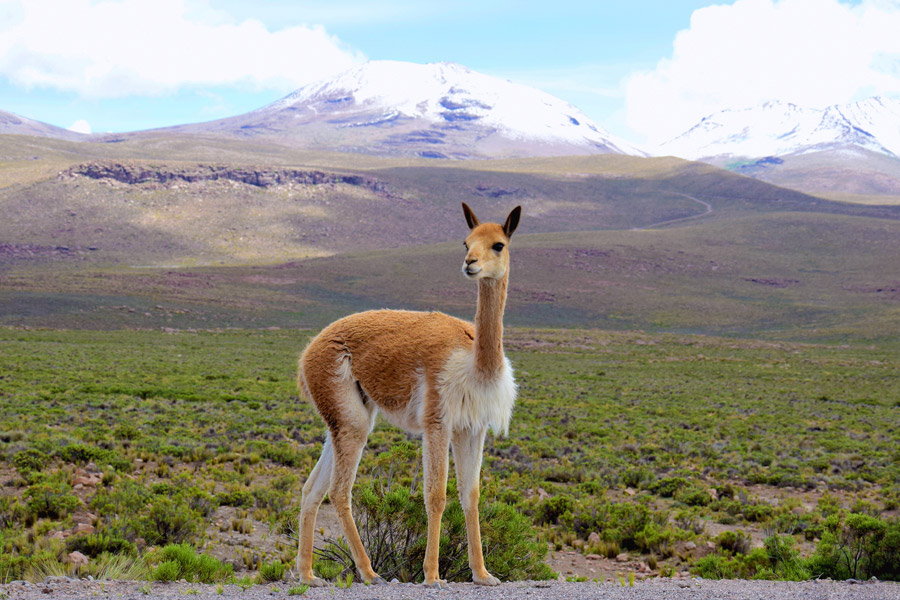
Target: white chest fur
column 471, row 402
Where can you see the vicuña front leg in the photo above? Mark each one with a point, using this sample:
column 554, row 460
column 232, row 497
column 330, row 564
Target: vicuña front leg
column 468, row 448
column 435, row 459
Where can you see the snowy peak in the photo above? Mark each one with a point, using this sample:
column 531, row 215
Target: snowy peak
column 777, row 129
column 446, row 101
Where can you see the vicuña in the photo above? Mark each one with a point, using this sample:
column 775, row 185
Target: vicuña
column 428, row 373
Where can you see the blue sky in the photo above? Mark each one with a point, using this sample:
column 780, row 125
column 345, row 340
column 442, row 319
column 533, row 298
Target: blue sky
column 644, row 70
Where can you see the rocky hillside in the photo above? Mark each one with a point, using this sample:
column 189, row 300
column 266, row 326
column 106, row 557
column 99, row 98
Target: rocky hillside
column 137, row 173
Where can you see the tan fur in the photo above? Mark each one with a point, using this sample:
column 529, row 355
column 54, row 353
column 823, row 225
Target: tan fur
column 428, row 373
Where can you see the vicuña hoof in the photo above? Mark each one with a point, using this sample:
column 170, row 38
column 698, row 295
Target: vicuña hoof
column 489, row 580
column 314, row 581
column 378, row 580
column 438, row 584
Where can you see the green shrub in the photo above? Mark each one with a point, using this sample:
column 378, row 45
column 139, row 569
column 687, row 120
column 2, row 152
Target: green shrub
column 181, row 561
column 858, row 546
column 166, row 571
column 510, row 549
column 693, row 496
column 126, row 431
column 82, row 453
column 30, row 460
column 638, row 477
column 50, row 498
column 784, row 560
column 273, row 571
column 668, row 486
column 733, row 542
column 236, row 498
column 718, row 566
column 11, row 511
column 551, row 509
column 168, row 521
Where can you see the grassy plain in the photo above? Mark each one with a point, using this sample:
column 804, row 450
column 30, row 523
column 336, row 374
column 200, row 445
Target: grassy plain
column 212, row 419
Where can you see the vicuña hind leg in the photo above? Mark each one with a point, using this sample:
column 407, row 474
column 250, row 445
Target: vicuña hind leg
column 468, row 448
column 356, row 420
column 348, row 450
column 314, row 491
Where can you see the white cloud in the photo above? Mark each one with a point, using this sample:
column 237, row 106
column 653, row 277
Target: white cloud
column 80, row 126
column 119, row 48
column 810, row 52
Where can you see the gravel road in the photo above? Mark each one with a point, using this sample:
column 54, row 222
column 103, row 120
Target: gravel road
column 653, row 589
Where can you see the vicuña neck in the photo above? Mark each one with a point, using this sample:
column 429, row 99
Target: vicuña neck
column 489, row 326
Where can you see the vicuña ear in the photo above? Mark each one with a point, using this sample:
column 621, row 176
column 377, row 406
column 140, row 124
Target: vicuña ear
column 512, row 221
column 471, row 219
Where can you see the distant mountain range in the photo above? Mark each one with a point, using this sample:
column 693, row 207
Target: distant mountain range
column 438, row 110
column 13, row 124
column 779, row 129
column 444, row 110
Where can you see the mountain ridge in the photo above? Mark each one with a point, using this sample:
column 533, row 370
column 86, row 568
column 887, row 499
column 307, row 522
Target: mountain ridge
column 778, row 128
column 436, row 110
column 13, row 124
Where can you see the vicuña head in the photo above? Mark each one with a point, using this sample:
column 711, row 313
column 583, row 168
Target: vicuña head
column 426, row 372
column 487, row 246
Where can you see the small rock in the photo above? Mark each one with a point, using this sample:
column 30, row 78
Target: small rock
column 711, row 545
column 622, row 557
column 594, row 538
column 713, row 493
column 395, row 580
column 77, row 558
column 690, row 546
column 51, row 579
column 542, row 494
column 630, row 492
column 593, row 557
column 85, row 481
column 643, row 567
column 82, row 518
column 83, row 528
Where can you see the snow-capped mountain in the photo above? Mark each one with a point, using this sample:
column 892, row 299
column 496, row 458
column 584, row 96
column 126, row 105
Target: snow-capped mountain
column 432, row 110
column 779, row 129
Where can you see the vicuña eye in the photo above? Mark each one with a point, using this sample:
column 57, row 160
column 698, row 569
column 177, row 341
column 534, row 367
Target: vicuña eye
column 498, row 247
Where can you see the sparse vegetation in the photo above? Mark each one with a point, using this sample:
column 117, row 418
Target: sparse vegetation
column 668, row 417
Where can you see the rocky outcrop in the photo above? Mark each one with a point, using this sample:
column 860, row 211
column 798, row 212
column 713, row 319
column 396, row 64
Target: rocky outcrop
column 137, row 173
